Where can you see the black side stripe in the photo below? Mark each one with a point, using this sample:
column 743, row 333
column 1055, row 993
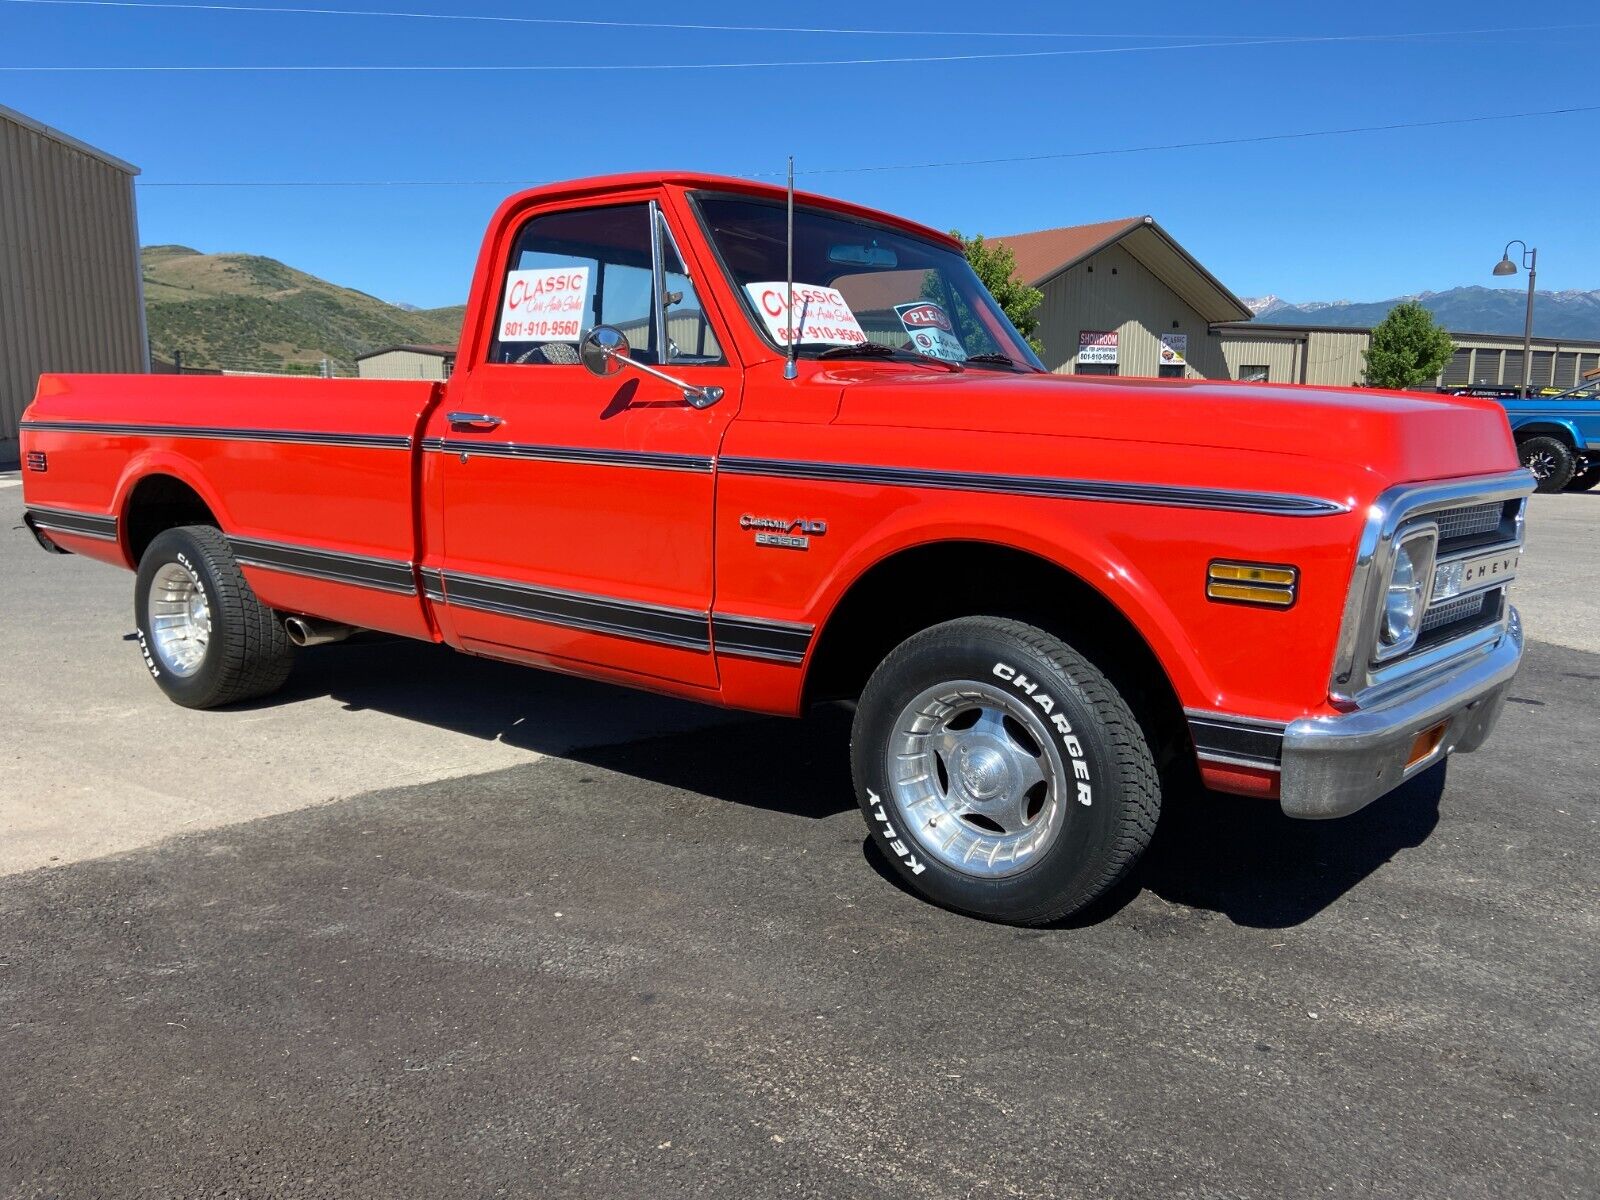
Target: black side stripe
column 754, row 637
column 62, row 520
column 383, row 574
column 583, row 456
column 686, row 629
column 1031, row 485
column 1221, row 738
column 306, row 437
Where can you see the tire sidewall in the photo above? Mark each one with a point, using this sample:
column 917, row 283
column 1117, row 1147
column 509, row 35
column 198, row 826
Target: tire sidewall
column 1565, row 460
column 1091, row 814
column 178, row 545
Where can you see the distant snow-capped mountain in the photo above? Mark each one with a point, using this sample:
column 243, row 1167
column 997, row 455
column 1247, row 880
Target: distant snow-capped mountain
column 1570, row 313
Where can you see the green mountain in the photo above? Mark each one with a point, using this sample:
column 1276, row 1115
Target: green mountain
column 246, row 312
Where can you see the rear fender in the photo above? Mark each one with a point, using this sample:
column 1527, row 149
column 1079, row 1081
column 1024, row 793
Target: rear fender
column 150, row 462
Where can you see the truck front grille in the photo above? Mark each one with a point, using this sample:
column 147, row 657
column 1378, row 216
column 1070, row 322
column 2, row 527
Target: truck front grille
column 1462, row 608
column 1475, row 520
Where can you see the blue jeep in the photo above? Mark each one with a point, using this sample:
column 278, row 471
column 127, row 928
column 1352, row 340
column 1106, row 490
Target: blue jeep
column 1558, row 433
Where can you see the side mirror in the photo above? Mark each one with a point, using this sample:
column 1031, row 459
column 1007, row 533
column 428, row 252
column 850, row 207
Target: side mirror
column 605, row 351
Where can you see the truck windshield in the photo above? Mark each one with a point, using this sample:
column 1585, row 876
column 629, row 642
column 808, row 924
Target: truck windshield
column 856, row 282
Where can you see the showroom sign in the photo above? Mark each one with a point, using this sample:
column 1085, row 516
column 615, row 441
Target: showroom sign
column 1097, row 346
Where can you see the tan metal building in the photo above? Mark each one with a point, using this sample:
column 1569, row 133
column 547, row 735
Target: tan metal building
column 1322, row 354
column 71, row 296
column 1124, row 298
column 407, row 362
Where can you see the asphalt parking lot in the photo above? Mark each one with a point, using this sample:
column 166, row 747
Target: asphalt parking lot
column 428, row 926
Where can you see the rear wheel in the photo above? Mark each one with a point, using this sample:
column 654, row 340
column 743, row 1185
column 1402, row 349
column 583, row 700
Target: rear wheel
column 1585, row 479
column 206, row 638
column 1550, row 459
column 1000, row 772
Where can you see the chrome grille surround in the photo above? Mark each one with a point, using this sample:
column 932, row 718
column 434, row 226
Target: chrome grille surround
column 1469, row 504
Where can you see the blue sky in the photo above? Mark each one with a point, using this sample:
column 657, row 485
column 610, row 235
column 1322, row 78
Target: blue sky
column 1358, row 217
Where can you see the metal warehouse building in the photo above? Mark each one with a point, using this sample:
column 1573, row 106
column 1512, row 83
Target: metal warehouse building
column 70, row 292
column 407, row 362
column 1124, row 298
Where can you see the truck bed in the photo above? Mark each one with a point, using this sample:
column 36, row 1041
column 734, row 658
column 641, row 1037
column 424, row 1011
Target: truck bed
column 320, row 474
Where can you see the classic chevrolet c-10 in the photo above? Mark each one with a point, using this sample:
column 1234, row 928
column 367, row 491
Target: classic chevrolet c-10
column 763, row 453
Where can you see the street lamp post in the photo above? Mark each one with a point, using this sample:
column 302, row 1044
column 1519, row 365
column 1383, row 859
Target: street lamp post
column 1530, row 262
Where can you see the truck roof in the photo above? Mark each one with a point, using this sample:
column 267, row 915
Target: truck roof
column 701, row 181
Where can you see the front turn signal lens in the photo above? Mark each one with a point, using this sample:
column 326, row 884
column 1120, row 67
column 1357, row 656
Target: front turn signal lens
column 1265, row 584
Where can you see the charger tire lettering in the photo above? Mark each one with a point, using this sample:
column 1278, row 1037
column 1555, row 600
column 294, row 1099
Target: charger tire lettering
column 890, row 836
column 1058, row 720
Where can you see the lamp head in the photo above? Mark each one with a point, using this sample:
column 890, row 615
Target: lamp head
column 1505, row 266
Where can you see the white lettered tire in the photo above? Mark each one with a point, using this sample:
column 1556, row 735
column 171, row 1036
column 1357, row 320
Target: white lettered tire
column 1000, row 772
column 206, row 639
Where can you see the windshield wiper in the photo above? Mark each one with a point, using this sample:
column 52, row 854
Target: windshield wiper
column 1004, row 360
column 879, row 350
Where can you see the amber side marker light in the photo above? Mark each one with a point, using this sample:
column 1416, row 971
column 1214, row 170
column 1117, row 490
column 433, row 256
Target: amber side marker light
column 1265, row 584
column 1426, row 743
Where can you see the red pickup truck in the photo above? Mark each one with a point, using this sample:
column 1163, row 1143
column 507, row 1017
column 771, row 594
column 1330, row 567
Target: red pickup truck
column 703, row 443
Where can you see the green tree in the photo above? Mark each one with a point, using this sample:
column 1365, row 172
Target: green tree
column 1407, row 348
column 994, row 263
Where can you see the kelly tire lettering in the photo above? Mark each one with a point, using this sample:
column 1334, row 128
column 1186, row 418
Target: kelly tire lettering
column 1106, row 791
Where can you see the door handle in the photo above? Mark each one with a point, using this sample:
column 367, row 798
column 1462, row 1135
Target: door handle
column 475, row 420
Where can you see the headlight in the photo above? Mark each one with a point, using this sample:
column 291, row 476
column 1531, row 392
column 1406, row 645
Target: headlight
column 1406, row 598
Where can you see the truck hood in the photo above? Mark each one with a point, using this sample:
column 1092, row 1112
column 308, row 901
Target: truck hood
column 1400, row 436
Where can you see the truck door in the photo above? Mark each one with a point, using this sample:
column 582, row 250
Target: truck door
column 577, row 510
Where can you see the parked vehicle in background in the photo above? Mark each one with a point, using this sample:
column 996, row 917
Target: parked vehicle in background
column 664, row 461
column 1557, row 432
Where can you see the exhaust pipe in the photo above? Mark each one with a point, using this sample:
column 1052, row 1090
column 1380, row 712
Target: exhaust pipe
column 309, row 631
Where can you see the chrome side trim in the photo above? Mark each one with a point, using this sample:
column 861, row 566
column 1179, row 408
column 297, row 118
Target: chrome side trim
column 65, row 520
column 682, row 628
column 1352, row 676
column 1238, row 741
column 757, row 637
column 299, row 437
column 583, row 456
column 1220, row 499
column 382, row 574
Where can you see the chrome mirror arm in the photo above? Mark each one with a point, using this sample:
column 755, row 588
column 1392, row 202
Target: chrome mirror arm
column 698, row 397
column 605, row 351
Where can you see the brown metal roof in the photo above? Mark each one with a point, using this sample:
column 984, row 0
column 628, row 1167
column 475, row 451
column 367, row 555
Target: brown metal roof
column 1047, row 252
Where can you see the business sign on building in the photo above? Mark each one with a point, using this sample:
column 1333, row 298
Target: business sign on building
column 1097, row 346
column 1174, row 348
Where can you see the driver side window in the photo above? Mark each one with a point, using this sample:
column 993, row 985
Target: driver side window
column 570, row 271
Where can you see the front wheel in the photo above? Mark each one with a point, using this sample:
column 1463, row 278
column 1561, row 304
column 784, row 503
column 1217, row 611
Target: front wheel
column 1550, row 459
column 1001, row 772
column 206, row 638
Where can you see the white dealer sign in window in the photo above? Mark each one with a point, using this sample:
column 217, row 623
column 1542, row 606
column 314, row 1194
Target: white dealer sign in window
column 820, row 314
column 544, row 305
column 930, row 331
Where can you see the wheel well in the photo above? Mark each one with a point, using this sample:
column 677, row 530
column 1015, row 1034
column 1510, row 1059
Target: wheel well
column 1560, row 432
column 926, row 585
column 159, row 503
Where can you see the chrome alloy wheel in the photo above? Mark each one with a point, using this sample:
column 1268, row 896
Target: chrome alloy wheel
column 977, row 778
column 180, row 618
column 1542, row 463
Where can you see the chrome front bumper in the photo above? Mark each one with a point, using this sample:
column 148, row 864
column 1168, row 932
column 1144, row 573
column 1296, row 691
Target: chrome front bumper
column 1332, row 766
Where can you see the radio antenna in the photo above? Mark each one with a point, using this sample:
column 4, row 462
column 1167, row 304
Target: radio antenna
column 790, row 369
